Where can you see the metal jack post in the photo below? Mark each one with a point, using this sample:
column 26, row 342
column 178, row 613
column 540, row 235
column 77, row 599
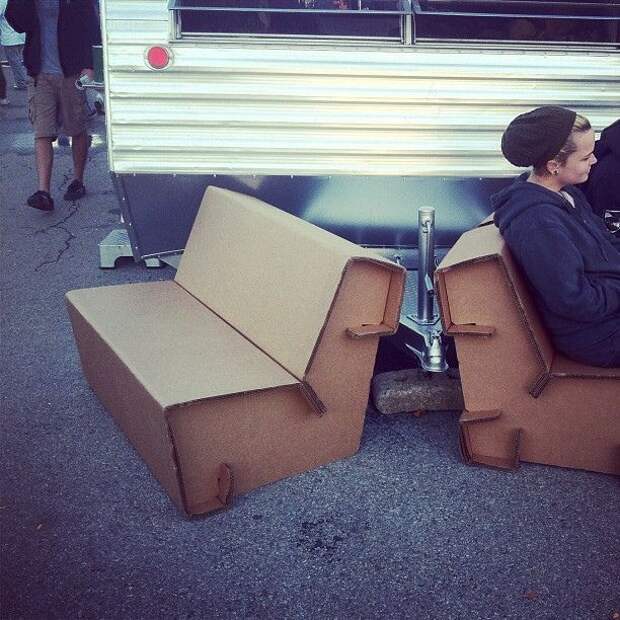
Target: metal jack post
column 426, row 321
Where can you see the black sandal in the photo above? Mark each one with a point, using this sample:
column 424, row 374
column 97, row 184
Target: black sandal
column 41, row 200
column 75, row 191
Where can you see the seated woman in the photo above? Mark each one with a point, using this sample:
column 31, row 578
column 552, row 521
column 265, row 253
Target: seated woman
column 571, row 260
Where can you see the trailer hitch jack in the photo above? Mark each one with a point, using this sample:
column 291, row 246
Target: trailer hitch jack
column 426, row 321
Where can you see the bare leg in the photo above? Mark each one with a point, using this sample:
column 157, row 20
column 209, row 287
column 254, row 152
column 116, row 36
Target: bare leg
column 79, row 148
column 45, row 159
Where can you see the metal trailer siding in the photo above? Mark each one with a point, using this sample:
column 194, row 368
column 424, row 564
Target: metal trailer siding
column 238, row 108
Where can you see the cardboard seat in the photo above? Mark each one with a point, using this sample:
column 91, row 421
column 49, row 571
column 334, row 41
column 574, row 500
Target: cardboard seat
column 253, row 364
column 524, row 401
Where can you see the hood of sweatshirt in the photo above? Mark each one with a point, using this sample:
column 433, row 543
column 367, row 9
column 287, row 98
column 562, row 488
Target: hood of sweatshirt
column 609, row 142
column 514, row 200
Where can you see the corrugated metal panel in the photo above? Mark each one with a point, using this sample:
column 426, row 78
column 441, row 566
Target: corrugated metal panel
column 275, row 109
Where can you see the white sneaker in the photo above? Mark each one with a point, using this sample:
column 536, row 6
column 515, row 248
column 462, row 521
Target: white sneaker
column 4, row 102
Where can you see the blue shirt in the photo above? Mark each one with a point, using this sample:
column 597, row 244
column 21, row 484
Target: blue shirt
column 47, row 11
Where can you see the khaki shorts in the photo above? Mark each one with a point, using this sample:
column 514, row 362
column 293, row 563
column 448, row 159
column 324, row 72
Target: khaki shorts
column 54, row 103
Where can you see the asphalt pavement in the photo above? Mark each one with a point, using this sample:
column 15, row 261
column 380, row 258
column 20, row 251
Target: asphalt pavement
column 401, row 530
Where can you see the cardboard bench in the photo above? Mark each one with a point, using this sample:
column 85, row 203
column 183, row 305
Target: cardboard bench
column 523, row 400
column 253, row 364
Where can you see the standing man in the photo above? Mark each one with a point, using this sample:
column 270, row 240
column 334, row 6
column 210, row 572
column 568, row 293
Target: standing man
column 59, row 39
column 13, row 44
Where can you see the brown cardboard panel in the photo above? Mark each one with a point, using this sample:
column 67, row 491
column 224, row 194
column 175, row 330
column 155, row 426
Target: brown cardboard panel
column 135, row 411
column 491, row 372
column 342, row 366
column 242, row 251
column 475, row 244
column 263, row 437
column 179, row 350
column 567, row 426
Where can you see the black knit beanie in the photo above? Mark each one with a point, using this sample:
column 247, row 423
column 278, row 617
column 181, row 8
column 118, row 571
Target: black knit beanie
column 535, row 137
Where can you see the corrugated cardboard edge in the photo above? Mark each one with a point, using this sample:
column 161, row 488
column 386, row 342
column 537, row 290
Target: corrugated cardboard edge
column 488, row 220
column 317, row 405
column 466, row 447
column 614, row 375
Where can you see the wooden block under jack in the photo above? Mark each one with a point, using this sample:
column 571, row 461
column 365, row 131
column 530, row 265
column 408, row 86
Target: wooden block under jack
column 416, row 391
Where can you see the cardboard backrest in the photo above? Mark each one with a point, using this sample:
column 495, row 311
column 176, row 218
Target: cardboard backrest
column 273, row 276
column 470, row 306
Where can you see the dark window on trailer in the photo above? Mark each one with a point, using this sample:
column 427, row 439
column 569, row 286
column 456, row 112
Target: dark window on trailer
column 590, row 22
column 529, row 21
column 314, row 18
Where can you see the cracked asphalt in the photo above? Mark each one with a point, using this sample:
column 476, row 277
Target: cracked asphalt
column 401, row 530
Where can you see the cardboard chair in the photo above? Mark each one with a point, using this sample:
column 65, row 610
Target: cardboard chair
column 524, row 401
column 253, row 364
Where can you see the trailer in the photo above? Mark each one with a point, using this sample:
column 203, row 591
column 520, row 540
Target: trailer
column 351, row 114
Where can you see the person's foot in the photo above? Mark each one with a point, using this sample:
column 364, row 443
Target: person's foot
column 41, row 200
column 4, row 101
column 19, row 87
column 75, row 191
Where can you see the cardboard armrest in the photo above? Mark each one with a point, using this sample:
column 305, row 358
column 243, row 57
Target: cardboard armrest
column 370, row 330
column 470, row 329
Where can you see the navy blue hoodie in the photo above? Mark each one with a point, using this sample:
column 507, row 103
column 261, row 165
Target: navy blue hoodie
column 572, row 263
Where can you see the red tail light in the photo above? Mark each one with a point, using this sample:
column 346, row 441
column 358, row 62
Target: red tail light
column 158, row 57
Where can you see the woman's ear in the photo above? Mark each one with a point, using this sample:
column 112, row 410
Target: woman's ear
column 553, row 167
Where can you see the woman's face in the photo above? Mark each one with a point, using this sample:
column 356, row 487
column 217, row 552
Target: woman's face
column 577, row 166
